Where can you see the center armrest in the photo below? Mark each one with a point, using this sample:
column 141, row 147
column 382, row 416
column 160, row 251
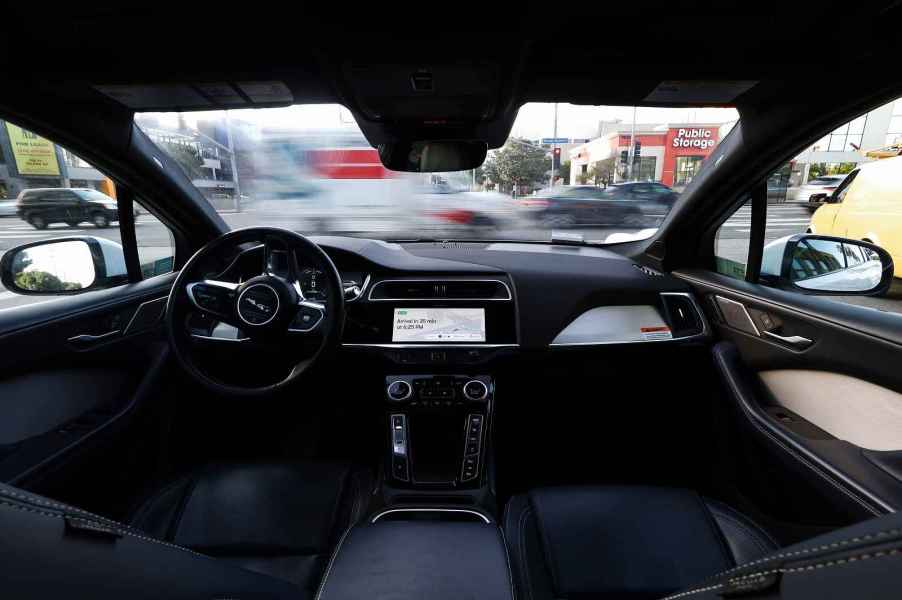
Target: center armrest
column 419, row 559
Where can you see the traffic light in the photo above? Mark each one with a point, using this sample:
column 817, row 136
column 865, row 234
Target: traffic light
column 556, row 158
column 637, row 152
column 624, row 156
column 557, row 152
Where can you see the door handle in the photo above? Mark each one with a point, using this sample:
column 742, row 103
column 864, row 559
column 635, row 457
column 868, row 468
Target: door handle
column 87, row 340
column 793, row 341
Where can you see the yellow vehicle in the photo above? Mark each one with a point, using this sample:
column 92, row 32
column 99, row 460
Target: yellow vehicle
column 867, row 206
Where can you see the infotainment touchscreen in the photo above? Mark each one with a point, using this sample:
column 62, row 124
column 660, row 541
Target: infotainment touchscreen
column 429, row 325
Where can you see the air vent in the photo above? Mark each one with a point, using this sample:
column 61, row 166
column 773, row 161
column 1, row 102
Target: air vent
column 648, row 271
column 451, row 289
column 682, row 315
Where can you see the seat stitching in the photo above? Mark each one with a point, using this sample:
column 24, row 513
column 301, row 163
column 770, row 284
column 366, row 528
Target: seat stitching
column 322, row 586
column 119, row 530
column 830, row 546
column 522, row 542
column 790, row 570
column 49, row 504
column 507, row 559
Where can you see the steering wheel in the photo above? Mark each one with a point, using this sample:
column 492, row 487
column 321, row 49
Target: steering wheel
column 272, row 321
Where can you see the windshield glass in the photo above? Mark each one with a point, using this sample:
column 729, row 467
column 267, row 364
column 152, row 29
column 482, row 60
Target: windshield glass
column 310, row 169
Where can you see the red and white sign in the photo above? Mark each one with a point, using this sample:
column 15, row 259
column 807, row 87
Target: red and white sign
column 702, row 138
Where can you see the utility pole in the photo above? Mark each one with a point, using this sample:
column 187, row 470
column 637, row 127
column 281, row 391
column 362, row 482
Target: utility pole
column 631, row 156
column 553, row 146
column 228, row 124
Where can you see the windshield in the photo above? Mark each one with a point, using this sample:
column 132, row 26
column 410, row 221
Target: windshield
column 310, row 169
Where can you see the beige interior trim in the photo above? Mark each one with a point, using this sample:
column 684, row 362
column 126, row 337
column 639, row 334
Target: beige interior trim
column 859, row 412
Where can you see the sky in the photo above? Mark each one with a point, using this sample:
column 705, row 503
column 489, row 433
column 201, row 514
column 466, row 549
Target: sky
column 535, row 120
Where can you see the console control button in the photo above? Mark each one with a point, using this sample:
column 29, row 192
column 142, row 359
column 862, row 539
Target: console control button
column 475, row 390
column 399, row 390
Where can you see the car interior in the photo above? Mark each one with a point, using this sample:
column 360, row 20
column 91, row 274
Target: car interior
column 285, row 414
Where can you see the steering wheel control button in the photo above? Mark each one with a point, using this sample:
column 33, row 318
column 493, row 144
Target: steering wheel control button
column 475, row 390
column 306, row 319
column 399, row 391
column 258, row 304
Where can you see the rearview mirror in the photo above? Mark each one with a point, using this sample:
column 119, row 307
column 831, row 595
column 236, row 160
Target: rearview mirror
column 432, row 156
column 823, row 265
column 63, row 266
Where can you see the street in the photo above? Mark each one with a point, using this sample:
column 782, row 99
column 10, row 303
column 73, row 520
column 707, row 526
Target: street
column 154, row 242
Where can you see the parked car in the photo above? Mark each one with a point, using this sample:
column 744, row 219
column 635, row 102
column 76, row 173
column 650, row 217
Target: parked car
column 41, row 207
column 867, row 206
column 633, row 204
column 815, row 191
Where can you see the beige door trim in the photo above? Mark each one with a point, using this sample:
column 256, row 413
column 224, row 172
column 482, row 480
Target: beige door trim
column 851, row 409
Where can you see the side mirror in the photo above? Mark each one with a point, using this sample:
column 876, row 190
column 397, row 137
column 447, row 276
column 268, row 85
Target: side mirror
column 63, row 266
column 823, row 265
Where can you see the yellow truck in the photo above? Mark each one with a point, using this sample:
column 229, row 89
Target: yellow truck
column 867, row 206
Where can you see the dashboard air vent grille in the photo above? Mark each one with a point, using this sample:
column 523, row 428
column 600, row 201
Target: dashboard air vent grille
column 683, row 315
column 470, row 289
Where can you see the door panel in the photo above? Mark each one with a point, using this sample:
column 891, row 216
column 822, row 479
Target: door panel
column 850, row 409
column 804, row 411
column 79, row 369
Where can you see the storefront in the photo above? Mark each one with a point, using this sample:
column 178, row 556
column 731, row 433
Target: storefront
column 670, row 153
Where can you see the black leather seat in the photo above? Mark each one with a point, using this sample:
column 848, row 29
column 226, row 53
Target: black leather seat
column 279, row 519
column 623, row 542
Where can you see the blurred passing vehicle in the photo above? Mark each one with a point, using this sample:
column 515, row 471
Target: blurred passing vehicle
column 633, row 204
column 866, row 206
column 446, row 207
column 7, row 208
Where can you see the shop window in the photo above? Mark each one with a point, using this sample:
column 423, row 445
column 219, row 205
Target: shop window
column 686, row 169
column 646, row 170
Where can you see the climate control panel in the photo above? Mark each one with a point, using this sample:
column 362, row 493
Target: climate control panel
column 438, row 429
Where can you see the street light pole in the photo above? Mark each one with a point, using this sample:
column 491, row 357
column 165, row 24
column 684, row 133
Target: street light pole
column 234, row 163
column 553, row 146
column 632, row 151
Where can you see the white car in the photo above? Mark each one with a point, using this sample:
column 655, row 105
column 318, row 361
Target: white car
column 7, row 208
column 817, row 189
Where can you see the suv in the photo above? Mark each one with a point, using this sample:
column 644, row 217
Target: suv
column 626, row 204
column 41, row 207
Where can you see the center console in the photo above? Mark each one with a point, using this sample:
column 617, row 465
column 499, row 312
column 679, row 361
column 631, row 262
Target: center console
column 437, row 431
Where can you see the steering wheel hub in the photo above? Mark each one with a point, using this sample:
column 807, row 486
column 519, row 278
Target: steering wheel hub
column 258, row 304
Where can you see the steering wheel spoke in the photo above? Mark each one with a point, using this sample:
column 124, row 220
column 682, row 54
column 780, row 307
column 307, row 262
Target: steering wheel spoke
column 215, row 298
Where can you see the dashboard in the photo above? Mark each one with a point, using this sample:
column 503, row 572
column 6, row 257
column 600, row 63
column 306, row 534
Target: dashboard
column 467, row 302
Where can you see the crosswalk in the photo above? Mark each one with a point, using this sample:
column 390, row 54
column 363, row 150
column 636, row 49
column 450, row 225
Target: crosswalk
column 782, row 220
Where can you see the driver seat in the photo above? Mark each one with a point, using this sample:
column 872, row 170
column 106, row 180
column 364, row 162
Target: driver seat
column 280, row 519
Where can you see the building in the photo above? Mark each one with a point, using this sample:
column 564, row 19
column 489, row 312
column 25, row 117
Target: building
column 670, row 153
column 845, row 147
column 28, row 160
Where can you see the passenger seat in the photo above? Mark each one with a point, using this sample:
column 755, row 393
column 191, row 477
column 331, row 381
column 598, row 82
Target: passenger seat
column 623, row 542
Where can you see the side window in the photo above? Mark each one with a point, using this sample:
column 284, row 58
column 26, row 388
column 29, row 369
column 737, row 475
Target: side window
column 52, row 194
column 815, row 203
column 156, row 246
column 731, row 243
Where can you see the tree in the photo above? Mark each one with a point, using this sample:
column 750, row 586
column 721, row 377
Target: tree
column 517, row 165
column 565, row 172
column 42, row 281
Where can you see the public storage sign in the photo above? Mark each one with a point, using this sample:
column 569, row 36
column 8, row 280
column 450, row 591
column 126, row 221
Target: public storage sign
column 702, row 138
column 34, row 155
